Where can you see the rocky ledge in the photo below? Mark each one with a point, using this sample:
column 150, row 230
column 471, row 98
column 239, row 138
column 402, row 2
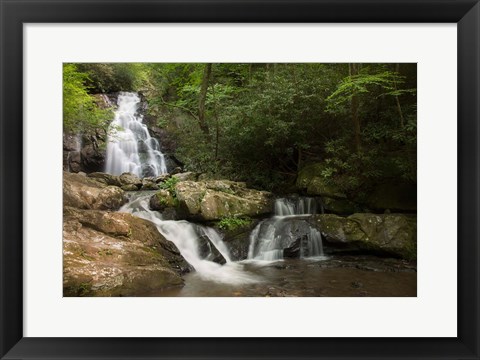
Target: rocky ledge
column 110, row 253
column 213, row 200
column 386, row 234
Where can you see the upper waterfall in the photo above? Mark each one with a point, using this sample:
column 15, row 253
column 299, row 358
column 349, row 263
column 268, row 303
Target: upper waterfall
column 130, row 148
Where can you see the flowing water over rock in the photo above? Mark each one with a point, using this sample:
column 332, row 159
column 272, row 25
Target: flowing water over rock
column 286, row 259
column 130, row 147
column 201, row 246
column 287, row 234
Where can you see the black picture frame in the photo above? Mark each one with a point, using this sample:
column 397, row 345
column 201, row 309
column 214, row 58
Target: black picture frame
column 14, row 13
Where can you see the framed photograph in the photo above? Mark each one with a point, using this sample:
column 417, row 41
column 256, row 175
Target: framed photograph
column 239, row 179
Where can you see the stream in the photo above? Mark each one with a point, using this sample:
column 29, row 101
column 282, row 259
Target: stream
column 285, row 254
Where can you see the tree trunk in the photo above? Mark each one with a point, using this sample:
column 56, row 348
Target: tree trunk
column 354, row 104
column 202, row 99
column 397, row 100
column 217, row 124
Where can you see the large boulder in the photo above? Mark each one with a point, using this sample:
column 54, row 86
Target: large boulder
column 389, row 234
column 127, row 181
column 162, row 200
column 116, row 254
column 217, row 199
column 86, row 193
column 104, row 178
column 130, row 179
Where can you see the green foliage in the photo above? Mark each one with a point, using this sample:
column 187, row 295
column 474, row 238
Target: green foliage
column 81, row 114
column 169, row 185
column 266, row 121
column 233, row 222
column 367, row 83
column 115, row 77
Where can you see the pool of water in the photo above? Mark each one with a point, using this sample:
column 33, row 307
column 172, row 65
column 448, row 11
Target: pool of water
column 345, row 276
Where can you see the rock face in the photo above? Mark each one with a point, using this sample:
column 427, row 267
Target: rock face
column 238, row 239
column 391, row 234
column 311, row 182
column 92, row 158
column 214, row 200
column 116, row 254
column 393, row 194
column 110, row 253
column 86, row 193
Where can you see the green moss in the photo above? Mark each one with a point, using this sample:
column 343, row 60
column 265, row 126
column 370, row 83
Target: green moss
column 106, row 252
column 83, row 289
column 84, row 255
column 410, row 251
column 227, row 191
column 233, row 222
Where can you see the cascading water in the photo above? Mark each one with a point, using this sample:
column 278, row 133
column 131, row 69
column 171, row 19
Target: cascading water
column 130, row 147
column 189, row 238
column 287, row 233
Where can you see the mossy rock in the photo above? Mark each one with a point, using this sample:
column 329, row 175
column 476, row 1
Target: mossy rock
column 389, row 234
column 217, row 199
column 161, row 200
column 311, row 181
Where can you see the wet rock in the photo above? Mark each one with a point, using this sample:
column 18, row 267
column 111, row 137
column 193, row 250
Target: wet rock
column 74, row 161
column 129, row 187
column 116, row 254
column 149, row 184
column 214, row 200
column 238, row 239
column 110, row 198
column 130, row 179
column 162, row 200
column 148, row 170
column 393, row 234
column 71, row 142
column 208, row 251
column 161, row 178
column 93, row 158
column 105, row 178
column 87, row 193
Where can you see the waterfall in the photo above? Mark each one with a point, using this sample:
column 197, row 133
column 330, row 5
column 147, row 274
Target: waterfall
column 287, row 233
column 190, row 240
column 130, row 148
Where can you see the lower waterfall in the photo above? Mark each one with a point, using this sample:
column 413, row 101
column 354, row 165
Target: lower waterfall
column 287, row 233
column 199, row 245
